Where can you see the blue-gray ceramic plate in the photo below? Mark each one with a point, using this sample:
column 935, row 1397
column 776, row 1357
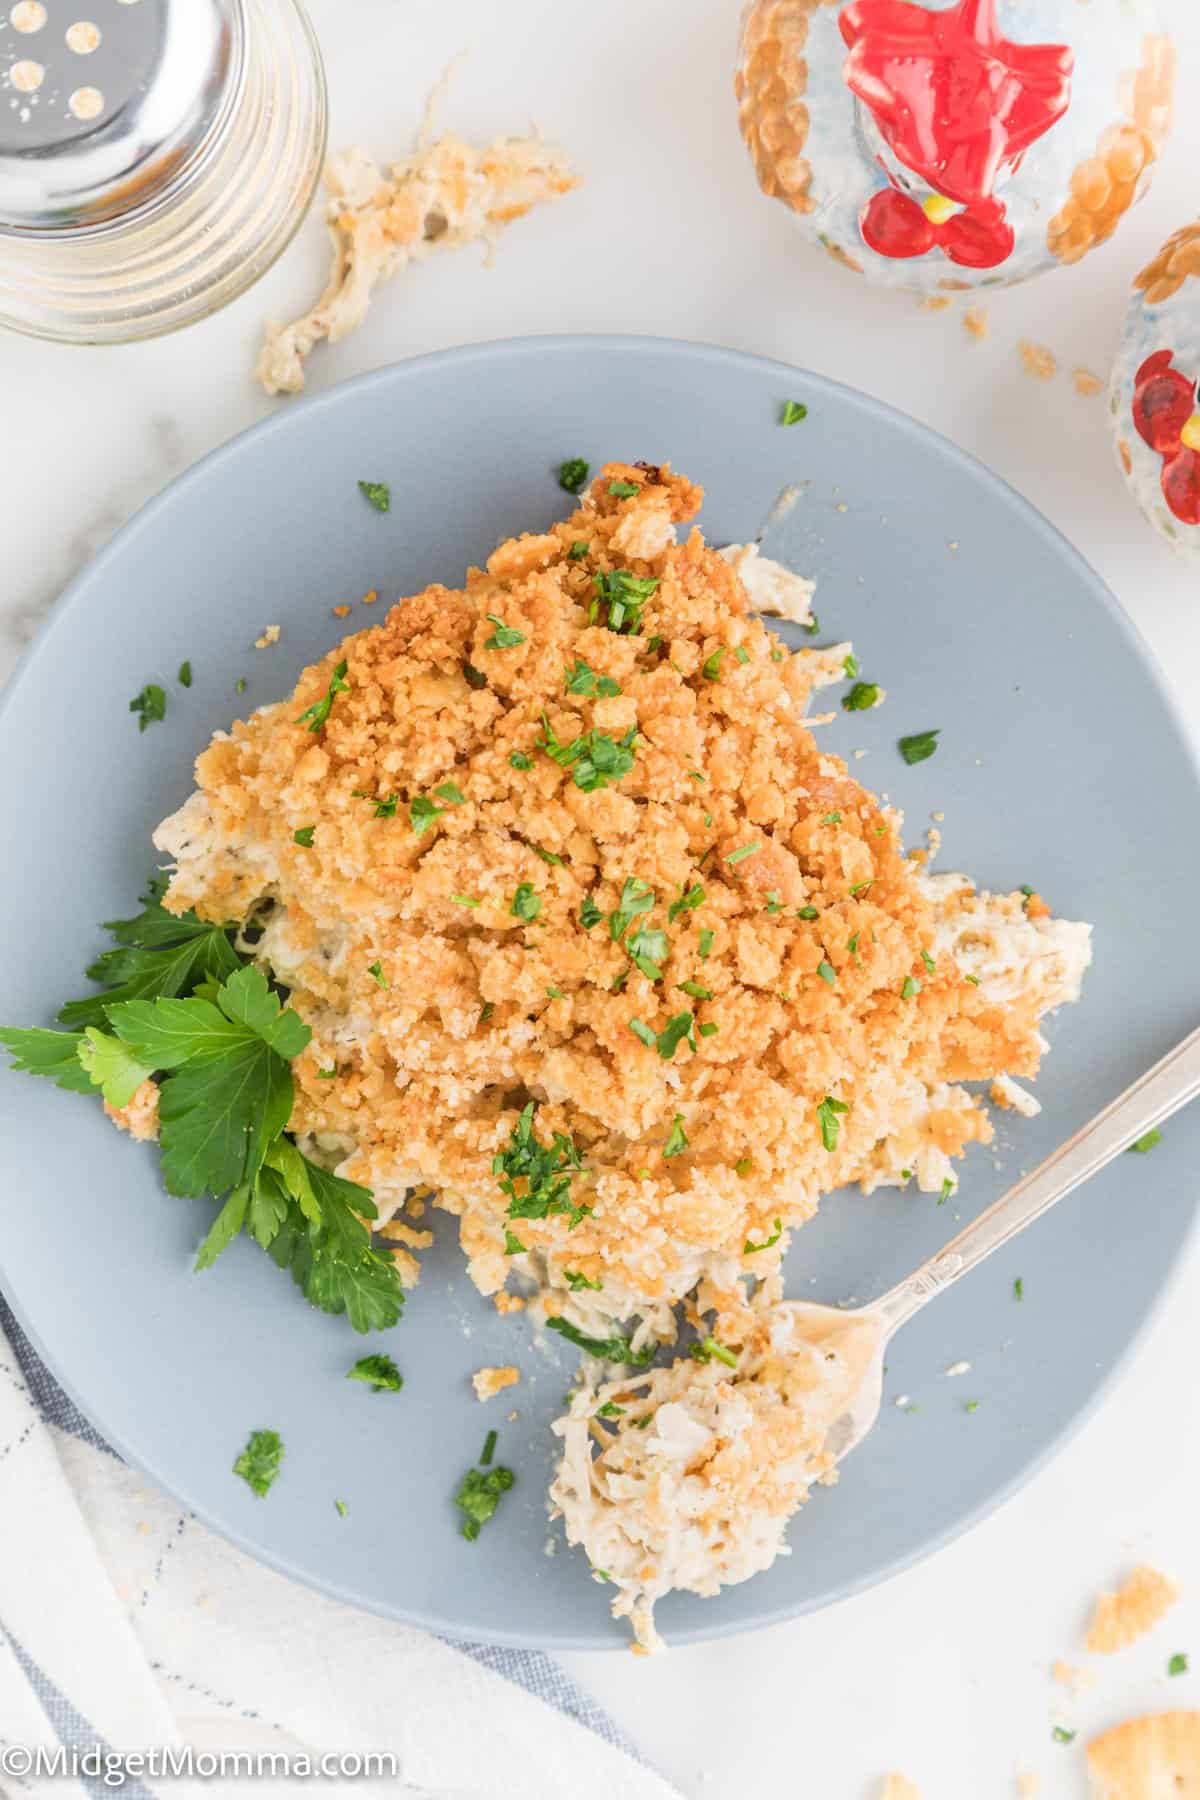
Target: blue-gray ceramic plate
column 1061, row 763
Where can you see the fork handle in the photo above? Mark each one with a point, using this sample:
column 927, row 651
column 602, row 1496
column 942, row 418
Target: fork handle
column 1155, row 1096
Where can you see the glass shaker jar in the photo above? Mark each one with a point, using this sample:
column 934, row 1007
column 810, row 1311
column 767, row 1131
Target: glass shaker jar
column 156, row 156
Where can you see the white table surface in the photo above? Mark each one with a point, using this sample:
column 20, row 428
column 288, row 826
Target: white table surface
column 942, row 1672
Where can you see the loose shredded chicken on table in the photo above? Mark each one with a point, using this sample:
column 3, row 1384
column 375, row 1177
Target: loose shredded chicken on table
column 444, row 195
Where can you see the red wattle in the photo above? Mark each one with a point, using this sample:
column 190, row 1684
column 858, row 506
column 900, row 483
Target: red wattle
column 1181, row 485
column 894, row 225
column 979, row 238
column 1162, row 405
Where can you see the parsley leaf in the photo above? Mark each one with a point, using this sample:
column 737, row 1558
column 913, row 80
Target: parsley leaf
column 920, row 746
column 304, row 837
column 577, row 1281
column 379, row 1371
column 378, row 493
column 150, row 705
column 184, row 677
column 512, row 1244
column 1149, row 1142
column 749, row 1249
column 595, row 759
column 862, row 697
column 480, row 1493
column 422, row 813
column 706, row 944
column 793, row 412
column 572, row 474
column 519, row 760
column 623, row 490
column 331, row 1258
column 827, row 972
column 613, row 1349
column 1178, row 1664
column 110, row 1067
column 526, row 903
column 673, row 1033
column 828, row 1117
column 740, row 855
column 624, row 595
column 637, row 897
column 589, row 913
column 489, row 1448
column 643, row 1033
column 709, row 1350
column 505, row 637
column 578, row 550
column 911, row 988
column 710, row 668
column 584, row 680
column 687, row 902
column 537, row 1177
column 54, row 1054
column 260, row 1461
column 157, row 953
column 677, row 1142
column 316, row 716
column 648, row 951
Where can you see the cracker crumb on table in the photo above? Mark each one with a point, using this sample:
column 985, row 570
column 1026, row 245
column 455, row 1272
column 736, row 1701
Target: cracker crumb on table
column 1039, row 363
column 270, row 636
column 490, row 1382
column 1138, row 1605
column 1086, row 383
column 977, row 323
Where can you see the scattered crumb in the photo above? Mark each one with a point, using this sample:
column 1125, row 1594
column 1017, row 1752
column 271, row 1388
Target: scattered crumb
column 1086, row 383
column 937, row 817
column 508, row 1303
column 953, row 544
column 1029, row 1784
column 959, row 1368
column 341, row 612
column 1147, row 1757
column 1068, row 1676
column 936, row 302
column 549, row 1547
column 842, row 507
column 1136, row 1608
column 1007, row 1093
column 976, row 322
column 902, row 1400
column 270, row 636
column 397, row 1232
column 443, row 195
column 490, row 1382
column 898, row 1787
column 513, row 1417
column 370, row 598
column 933, row 838
column 1038, row 362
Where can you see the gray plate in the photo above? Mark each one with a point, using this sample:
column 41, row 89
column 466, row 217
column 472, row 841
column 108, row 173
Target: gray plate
column 1061, row 764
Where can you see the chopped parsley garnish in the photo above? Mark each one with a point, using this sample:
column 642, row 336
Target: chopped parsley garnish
column 676, row 1029
column 744, row 1166
column 512, row 1244
column 451, row 794
column 623, row 490
column 304, row 837
column 749, row 1249
column 184, row 677
column 526, row 904
column 829, row 1118
column 850, row 666
column 240, row 684
column 637, row 897
column 920, row 746
column 547, row 856
column 376, row 969
column 1061, row 1735
column 647, row 950
column 860, row 887
column 519, row 760
column 911, row 988
column 555, row 993
column 852, row 947
column 808, row 912
column 260, row 1461
column 595, row 759
column 1018, row 1289
column 813, row 626
column 644, row 1033
column 475, row 678
column 383, row 809
column 465, row 900
column 590, row 914
column 378, row 493
column 150, row 705
column 773, row 901
column 687, row 902
column 486, row 1011
column 709, row 1350
column 577, row 1281
column 862, row 697
column 584, row 680
column 578, row 550
column 316, row 716
column 833, row 818
column 741, row 652
column 973, row 979
column 610, row 1410
column 793, row 412
column 929, row 961
column 489, row 1449
column 573, row 473
column 710, row 668
column 947, row 1190
column 537, row 1177
column 342, row 1508
column 613, row 1349
column 740, row 855
column 827, row 972
column 694, row 989
column 379, row 1372
column 971, row 1406
column 1178, row 1664
column 708, row 1030
column 624, row 595
column 1148, row 1142
column 505, row 637
column 706, row 943
column 479, row 1495
column 677, row 1142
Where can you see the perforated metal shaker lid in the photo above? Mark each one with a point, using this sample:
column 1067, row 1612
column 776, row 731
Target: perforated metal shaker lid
column 105, row 102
